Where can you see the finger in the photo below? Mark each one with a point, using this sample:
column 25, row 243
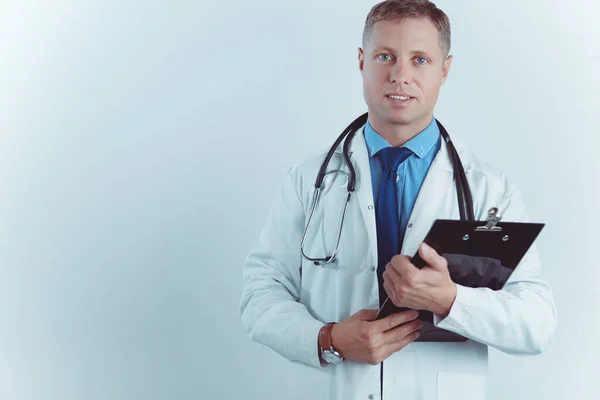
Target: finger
column 386, row 288
column 403, row 267
column 400, row 332
column 392, row 321
column 400, row 344
column 367, row 315
column 407, row 277
column 392, row 274
column 432, row 258
column 400, row 263
column 390, row 292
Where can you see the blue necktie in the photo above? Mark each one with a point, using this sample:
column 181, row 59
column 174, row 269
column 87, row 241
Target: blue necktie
column 389, row 237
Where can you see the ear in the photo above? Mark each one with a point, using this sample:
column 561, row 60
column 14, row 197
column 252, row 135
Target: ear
column 361, row 59
column 446, row 68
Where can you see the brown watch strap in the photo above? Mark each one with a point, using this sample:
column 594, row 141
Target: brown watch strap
column 325, row 336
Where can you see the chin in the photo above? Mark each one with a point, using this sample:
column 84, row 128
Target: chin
column 401, row 119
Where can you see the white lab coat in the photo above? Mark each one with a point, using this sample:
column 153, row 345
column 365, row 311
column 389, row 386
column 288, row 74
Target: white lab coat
column 287, row 299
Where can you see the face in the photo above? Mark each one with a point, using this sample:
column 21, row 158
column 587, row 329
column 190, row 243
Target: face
column 403, row 57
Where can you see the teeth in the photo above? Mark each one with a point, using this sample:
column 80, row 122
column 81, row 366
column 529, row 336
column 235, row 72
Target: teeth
column 399, row 97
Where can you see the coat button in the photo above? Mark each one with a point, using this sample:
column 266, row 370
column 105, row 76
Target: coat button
column 371, row 397
column 373, row 269
column 410, row 225
column 370, row 207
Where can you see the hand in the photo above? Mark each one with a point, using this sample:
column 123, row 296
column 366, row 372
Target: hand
column 429, row 288
column 361, row 338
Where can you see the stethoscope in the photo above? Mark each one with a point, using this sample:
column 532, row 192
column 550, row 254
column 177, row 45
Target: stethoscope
column 465, row 200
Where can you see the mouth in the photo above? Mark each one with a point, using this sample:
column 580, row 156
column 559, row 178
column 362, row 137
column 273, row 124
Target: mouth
column 399, row 100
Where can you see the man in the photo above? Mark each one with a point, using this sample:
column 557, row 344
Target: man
column 324, row 316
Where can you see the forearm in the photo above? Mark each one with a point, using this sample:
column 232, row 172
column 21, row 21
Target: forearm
column 273, row 318
column 518, row 320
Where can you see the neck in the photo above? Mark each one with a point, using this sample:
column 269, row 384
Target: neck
column 398, row 134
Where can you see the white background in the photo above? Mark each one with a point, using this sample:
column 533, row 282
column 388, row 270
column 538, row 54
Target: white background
column 141, row 143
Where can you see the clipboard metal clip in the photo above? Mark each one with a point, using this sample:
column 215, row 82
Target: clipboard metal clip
column 492, row 219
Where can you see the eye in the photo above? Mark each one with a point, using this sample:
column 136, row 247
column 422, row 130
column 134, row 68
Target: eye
column 384, row 55
column 421, row 60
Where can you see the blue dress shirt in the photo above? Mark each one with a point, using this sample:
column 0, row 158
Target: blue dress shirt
column 412, row 172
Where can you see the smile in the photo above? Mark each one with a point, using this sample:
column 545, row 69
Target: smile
column 399, row 100
column 403, row 98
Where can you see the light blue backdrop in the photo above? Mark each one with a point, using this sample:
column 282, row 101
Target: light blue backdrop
column 141, row 143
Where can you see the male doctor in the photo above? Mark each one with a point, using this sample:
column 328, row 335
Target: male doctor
column 322, row 318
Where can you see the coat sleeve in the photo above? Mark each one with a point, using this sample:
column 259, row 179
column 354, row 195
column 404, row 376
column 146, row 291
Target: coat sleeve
column 270, row 308
column 519, row 319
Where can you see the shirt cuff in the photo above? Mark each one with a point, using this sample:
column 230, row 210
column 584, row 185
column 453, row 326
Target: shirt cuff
column 459, row 311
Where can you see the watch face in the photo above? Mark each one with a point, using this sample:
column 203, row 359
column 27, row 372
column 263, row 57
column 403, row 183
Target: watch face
column 331, row 357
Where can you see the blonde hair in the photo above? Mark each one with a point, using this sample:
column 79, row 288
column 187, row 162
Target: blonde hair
column 392, row 9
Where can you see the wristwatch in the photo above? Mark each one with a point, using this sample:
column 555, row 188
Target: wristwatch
column 328, row 353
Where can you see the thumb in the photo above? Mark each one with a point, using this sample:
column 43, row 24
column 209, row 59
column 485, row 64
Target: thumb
column 432, row 258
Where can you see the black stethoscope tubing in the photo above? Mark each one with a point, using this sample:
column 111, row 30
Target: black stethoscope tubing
column 463, row 191
column 465, row 201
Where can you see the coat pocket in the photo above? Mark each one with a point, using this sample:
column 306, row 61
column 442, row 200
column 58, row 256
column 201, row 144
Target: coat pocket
column 461, row 386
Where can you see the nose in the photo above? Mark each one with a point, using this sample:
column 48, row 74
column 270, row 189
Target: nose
column 401, row 74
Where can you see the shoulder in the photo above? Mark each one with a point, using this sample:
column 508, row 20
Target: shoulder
column 301, row 175
column 490, row 187
column 480, row 172
column 306, row 170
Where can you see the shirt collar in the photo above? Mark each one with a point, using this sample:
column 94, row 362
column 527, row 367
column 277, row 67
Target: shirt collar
column 420, row 145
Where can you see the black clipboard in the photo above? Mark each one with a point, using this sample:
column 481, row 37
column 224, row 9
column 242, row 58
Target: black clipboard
column 479, row 254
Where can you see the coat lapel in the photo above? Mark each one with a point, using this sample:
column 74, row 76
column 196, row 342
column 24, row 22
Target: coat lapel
column 434, row 197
